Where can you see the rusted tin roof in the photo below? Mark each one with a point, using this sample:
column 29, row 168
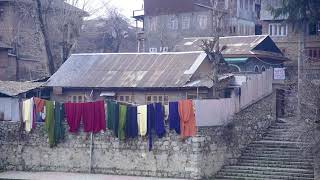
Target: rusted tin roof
column 127, row 70
column 14, row 88
column 237, row 46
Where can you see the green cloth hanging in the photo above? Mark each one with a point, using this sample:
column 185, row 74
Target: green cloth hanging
column 110, row 115
column 49, row 122
column 59, row 117
column 122, row 122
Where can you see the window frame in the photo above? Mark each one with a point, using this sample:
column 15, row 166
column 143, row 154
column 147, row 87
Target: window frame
column 155, row 98
column 173, row 23
column 185, row 22
column 255, row 68
column 153, row 50
column 203, row 21
column 153, row 24
column 278, row 29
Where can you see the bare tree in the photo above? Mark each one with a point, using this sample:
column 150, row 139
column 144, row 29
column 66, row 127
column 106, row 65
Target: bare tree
column 59, row 22
column 115, row 30
column 218, row 64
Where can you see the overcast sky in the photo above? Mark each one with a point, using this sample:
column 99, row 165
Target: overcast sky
column 126, row 7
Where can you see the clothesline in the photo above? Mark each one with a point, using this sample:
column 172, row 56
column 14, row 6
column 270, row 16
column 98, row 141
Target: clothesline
column 125, row 120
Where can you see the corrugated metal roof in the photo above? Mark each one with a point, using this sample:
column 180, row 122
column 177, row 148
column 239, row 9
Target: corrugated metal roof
column 142, row 70
column 238, row 46
column 14, row 88
column 4, row 46
column 207, row 82
column 235, row 45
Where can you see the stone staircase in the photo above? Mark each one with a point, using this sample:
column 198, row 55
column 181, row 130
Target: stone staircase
column 278, row 155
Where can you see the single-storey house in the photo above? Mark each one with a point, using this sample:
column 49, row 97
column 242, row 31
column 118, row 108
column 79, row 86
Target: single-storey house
column 138, row 78
column 254, row 53
column 12, row 93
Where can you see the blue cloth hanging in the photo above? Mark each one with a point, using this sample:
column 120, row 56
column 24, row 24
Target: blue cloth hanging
column 159, row 120
column 150, row 123
column 174, row 118
column 131, row 122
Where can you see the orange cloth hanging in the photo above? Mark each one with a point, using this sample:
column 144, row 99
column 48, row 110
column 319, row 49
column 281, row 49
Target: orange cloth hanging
column 39, row 103
column 187, row 119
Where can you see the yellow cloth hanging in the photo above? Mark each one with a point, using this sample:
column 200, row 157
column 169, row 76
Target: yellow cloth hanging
column 27, row 113
column 142, row 119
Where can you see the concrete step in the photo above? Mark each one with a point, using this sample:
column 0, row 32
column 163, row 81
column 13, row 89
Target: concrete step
column 292, row 139
column 280, row 154
column 269, row 169
column 276, row 162
column 273, row 149
column 255, row 175
column 276, row 155
column 245, row 172
column 259, row 164
column 289, row 159
column 225, row 177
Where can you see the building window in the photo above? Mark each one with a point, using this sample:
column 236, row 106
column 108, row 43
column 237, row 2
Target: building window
column 241, row 29
column 278, row 29
column 192, row 96
column 173, row 23
column 256, row 69
column 153, row 23
column 185, row 22
column 157, row 99
column 263, row 68
column 125, row 98
column 203, row 21
column 246, row 4
column 241, row 4
column 164, row 49
column 314, row 28
column 77, row 98
column 153, row 50
column 313, row 53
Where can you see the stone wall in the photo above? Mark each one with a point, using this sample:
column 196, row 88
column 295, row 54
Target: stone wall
column 196, row 157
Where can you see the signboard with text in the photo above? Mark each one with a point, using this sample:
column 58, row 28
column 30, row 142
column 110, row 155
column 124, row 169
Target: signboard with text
column 279, row 74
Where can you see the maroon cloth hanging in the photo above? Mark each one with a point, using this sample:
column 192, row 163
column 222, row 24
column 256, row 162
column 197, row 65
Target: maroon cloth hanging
column 92, row 115
column 74, row 112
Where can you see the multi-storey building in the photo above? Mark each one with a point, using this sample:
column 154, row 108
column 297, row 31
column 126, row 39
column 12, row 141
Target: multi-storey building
column 286, row 35
column 166, row 22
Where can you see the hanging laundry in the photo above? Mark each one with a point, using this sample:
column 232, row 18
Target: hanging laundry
column 187, row 119
column 122, row 122
column 39, row 103
column 116, row 119
column 39, row 109
column 150, row 123
column 131, row 122
column 74, row 112
column 58, row 122
column 49, row 122
column 174, row 119
column 88, row 116
column 28, row 114
column 142, row 119
column 99, row 123
column 159, row 120
column 109, row 114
